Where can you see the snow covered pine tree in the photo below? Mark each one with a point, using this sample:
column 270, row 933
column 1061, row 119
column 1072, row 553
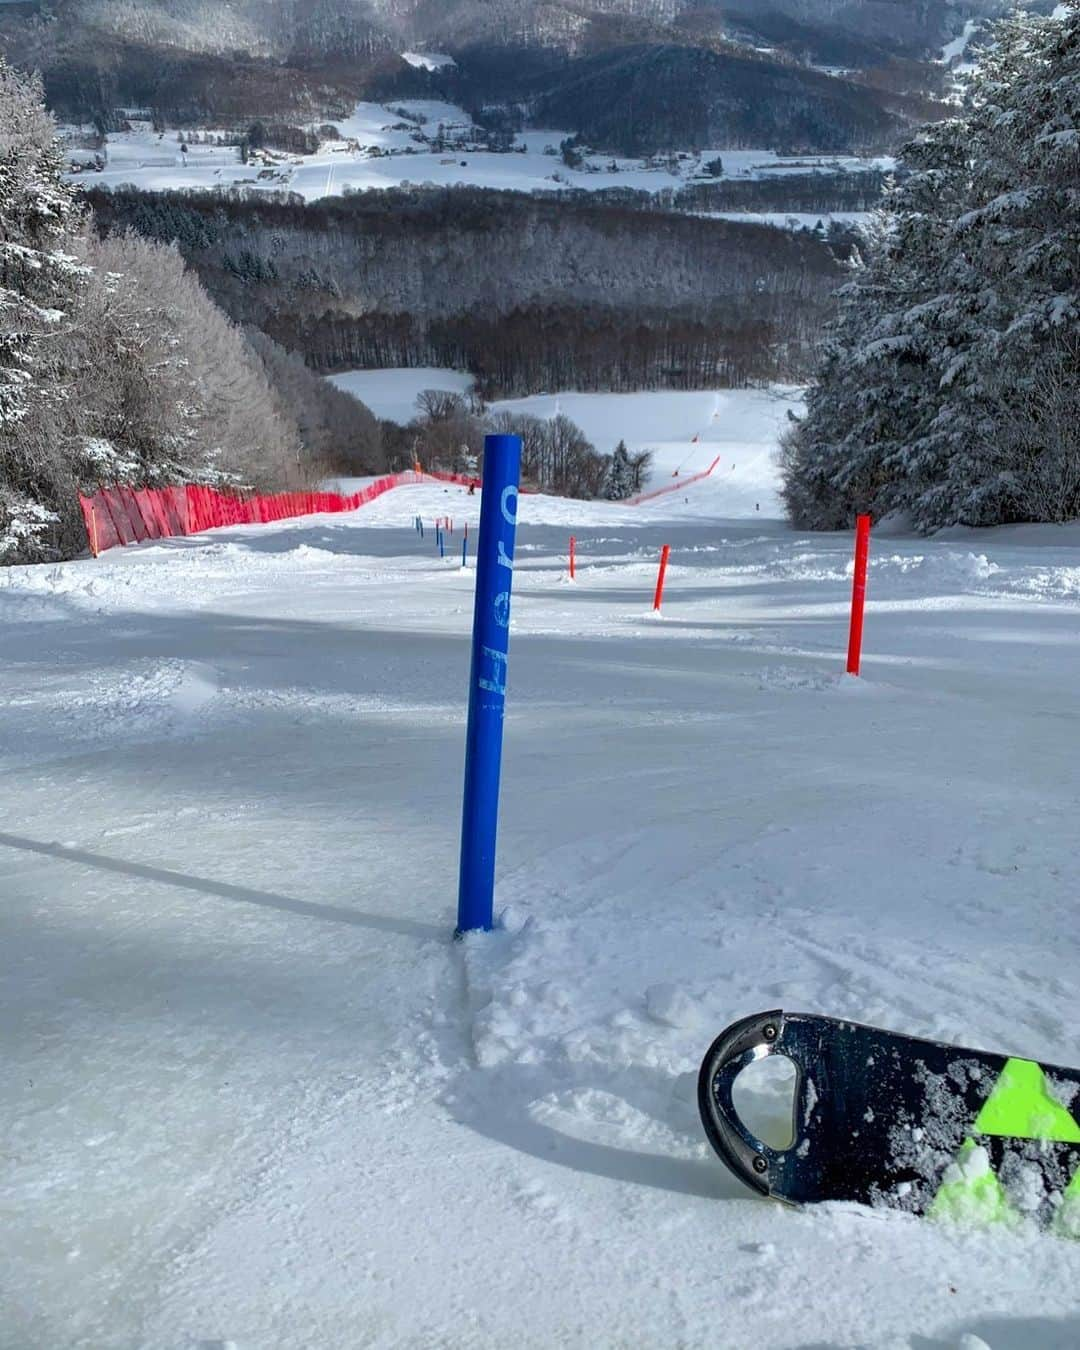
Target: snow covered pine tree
column 619, row 482
column 950, row 388
column 38, row 283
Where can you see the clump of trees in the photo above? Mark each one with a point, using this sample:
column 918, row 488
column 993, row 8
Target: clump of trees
column 116, row 366
column 626, row 473
column 282, row 136
column 950, row 390
column 556, row 455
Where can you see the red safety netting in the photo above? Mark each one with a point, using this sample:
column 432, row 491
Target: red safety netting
column 469, row 481
column 674, row 487
column 127, row 515
column 465, row 479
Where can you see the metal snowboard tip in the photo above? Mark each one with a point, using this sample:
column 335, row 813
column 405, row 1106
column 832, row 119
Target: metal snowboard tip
column 743, row 1042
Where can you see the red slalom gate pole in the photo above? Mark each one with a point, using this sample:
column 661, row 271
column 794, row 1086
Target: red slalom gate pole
column 573, row 558
column 858, row 594
column 664, row 556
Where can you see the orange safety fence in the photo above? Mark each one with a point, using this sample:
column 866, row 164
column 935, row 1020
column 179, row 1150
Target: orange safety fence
column 121, row 515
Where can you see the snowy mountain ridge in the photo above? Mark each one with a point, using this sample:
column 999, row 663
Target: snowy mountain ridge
column 193, row 60
column 256, row 25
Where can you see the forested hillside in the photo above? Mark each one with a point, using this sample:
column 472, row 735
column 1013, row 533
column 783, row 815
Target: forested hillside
column 526, row 293
column 640, row 99
column 116, row 365
column 688, row 72
column 951, row 388
column 290, row 28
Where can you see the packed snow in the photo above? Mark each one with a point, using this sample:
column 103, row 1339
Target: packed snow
column 255, row 1096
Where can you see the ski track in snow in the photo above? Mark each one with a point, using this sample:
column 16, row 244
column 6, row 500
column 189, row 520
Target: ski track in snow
column 256, row 1098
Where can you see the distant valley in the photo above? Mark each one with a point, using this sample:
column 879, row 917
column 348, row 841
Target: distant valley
column 607, row 194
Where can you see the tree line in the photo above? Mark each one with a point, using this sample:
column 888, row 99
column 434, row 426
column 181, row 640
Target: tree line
column 800, row 193
column 526, row 293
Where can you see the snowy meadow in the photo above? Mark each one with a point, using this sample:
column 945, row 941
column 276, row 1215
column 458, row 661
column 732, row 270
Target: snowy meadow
column 255, row 1095
column 424, row 142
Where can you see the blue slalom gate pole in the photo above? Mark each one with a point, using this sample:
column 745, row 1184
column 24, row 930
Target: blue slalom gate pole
column 421, row 524
column 487, row 682
column 442, row 544
column 464, row 552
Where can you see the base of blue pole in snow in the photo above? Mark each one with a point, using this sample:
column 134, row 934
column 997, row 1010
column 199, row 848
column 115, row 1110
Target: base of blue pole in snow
column 487, row 682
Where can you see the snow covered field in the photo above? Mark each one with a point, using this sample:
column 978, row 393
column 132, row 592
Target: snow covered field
column 792, row 220
column 254, row 1096
column 392, row 393
column 389, row 146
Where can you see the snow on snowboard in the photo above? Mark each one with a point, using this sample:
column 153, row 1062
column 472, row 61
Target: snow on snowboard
column 894, row 1122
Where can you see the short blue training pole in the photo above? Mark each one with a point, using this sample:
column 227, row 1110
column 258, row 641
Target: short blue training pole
column 487, row 681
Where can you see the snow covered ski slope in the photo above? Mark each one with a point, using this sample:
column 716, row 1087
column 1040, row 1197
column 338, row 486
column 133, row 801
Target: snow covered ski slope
column 254, row 1096
column 684, row 431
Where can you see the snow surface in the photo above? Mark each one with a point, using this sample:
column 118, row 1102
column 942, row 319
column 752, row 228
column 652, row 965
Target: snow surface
column 392, row 394
column 255, row 1097
column 954, row 50
column 791, row 220
column 428, row 60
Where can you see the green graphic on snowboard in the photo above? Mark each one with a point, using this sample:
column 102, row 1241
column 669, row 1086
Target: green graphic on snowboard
column 1019, row 1107
column 970, row 1193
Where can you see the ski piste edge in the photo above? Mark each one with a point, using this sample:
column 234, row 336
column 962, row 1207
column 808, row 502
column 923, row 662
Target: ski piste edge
column 895, row 1122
